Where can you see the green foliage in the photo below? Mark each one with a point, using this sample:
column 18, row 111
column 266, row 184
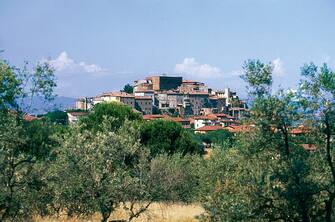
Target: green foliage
column 25, row 150
column 162, row 136
column 267, row 175
column 176, row 177
column 113, row 159
column 259, row 77
column 155, row 110
column 19, row 84
column 128, row 88
column 255, row 182
column 100, row 171
column 317, row 97
column 25, row 147
column 118, row 111
column 9, row 87
column 222, row 191
column 57, row 116
column 221, row 138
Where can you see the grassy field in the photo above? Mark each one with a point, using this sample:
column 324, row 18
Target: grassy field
column 157, row 212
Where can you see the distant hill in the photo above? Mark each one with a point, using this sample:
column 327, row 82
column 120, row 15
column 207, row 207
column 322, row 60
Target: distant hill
column 40, row 107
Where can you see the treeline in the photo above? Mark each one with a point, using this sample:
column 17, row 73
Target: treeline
column 112, row 158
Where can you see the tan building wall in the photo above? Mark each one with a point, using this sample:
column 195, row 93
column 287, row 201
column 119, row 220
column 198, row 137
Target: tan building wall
column 155, row 82
column 130, row 101
column 145, row 105
column 124, row 98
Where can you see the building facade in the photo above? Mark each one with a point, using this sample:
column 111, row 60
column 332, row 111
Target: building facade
column 122, row 97
column 143, row 104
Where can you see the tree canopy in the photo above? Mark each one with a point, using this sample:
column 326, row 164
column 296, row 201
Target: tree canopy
column 168, row 137
column 128, row 88
column 118, row 111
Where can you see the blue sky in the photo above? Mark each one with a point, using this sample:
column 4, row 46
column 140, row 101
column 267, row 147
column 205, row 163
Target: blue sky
column 101, row 45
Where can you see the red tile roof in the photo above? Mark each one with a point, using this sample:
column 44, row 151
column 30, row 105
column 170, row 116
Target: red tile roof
column 144, row 91
column 223, row 115
column 209, row 128
column 117, row 94
column 178, row 119
column 143, row 97
column 29, row 118
column 197, row 93
column 238, row 128
column 207, row 117
column 153, row 116
column 300, row 130
column 309, row 147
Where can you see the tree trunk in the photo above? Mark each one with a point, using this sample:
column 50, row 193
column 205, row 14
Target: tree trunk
column 105, row 217
column 106, row 211
column 304, row 212
column 329, row 208
column 286, row 140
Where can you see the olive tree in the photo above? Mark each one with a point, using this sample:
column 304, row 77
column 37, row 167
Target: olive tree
column 101, row 171
column 23, row 146
column 317, row 94
column 276, row 179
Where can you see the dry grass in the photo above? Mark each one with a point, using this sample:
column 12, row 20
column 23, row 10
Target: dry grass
column 157, row 212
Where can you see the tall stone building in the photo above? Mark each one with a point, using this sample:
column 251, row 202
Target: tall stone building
column 158, row 83
column 143, row 104
column 166, row 82
column 198, row 100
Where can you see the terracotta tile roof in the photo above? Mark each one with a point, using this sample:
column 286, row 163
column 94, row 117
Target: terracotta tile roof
column 117, row 94
column 144, row 91
column 300, row 130
column 309, row 147
column 238, row 128
column 153, row 116
column 29, row 118
column 207, row 117
column 170, row 92
column 209, row 128
column 178, row 119
column 197, row 93
column 143, row 97
column 223, row 115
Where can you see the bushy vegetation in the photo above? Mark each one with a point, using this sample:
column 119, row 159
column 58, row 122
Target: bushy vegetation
column 113, row 158
column 162, row 136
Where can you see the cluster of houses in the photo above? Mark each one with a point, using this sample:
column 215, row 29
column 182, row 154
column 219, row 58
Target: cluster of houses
column 188, row 102
column 203, row 123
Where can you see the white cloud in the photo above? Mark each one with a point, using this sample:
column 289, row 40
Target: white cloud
column 63, row 63
column 191, row 67
column 278, row 67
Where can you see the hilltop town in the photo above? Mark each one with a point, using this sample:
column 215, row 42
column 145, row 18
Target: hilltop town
column 189, row 102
